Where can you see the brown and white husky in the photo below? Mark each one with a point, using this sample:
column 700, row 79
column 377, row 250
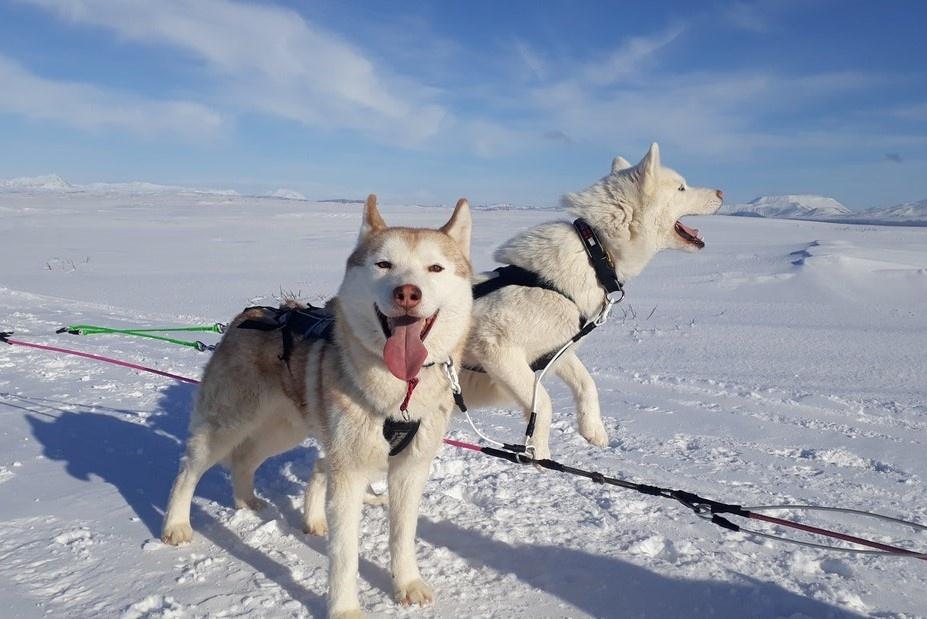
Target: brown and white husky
column 403, row 310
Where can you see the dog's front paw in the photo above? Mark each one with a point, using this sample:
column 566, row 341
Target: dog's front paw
column 594, row 431
column 176, row 534
column 348, row 614
column 414, row 592
column 253, row 503
column 316, row 526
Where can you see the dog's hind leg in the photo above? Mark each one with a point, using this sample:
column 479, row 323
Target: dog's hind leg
column 572, row 371
column 315, row 522
column 272, row 438
column 205, row 447
column 508, row 368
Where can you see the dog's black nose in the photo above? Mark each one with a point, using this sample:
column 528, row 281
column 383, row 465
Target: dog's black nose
column 407, row 296
column 720, row 194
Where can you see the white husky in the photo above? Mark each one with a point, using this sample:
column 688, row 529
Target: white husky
column 402, row 311
column 635, row 211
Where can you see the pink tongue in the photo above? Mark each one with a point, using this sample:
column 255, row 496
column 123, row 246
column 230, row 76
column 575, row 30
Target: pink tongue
column 690, row 231
column 404, row 352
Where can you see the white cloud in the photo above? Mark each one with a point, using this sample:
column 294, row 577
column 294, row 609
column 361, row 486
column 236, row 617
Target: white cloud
column 530, row 60
column 629, row 99
column 631, row 58
column 88, row 107
column 749, row 17
column 271, row 59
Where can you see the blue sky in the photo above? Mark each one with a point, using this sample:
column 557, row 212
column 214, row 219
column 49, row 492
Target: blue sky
column 499, row 101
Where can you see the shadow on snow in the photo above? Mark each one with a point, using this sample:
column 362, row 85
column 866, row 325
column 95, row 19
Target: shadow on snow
column 139, row 457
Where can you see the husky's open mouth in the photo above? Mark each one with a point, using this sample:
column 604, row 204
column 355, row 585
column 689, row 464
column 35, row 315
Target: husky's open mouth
column 690, row 235
column 405, row 352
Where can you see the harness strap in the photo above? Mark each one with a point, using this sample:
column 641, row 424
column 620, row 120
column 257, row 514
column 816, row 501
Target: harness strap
column 511, row 275
column 599, row 259
column 309, row 323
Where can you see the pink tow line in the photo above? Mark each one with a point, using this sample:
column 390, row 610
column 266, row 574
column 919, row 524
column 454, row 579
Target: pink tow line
column 88, row 355
column 142, row 368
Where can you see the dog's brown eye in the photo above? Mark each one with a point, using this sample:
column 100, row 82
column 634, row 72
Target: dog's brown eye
column 435, row 268
column 385, row 264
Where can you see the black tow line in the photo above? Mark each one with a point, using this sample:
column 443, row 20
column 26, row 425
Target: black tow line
column 711, row 510
column 704, row 508
column 696, row 503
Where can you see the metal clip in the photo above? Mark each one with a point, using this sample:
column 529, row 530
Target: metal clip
column 452, row 376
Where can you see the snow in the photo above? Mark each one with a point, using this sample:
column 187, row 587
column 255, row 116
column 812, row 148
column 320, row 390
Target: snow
column 783, row 363
column 789, row 207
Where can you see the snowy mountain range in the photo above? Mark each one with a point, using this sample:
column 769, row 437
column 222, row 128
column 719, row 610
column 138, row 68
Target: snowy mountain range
column 823, row 208
column 906, row 212
column 790, row 206
column 52, row 183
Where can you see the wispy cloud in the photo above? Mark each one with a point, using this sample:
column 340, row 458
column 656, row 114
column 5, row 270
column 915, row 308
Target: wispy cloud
column 92, row 108
column 631, row 98
column 746, row 16
column 271, row 59
column 633, row 57
column 556, row 135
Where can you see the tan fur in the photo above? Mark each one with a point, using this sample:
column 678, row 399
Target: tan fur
column 251, row 405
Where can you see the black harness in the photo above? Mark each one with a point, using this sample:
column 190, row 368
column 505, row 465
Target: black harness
column 307, row 323
column 316, row 323
column 512, row 275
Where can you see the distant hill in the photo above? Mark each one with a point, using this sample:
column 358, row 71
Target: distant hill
column 49, row 182
column 54, row 183
column 800, row 206
column 907, row 212
column 822, row 208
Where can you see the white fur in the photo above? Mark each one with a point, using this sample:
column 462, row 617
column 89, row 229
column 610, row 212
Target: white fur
column 633, row 209
column 243, row 414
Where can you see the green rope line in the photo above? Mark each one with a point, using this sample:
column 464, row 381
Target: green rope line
column 150, row 333
column 91, row 329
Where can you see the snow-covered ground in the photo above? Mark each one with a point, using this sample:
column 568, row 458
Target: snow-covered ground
column 783, row 363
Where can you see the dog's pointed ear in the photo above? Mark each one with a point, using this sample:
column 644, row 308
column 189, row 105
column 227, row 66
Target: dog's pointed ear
column 373, row 222
column 619, row 164
column 649, row 166
column 459, row 225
